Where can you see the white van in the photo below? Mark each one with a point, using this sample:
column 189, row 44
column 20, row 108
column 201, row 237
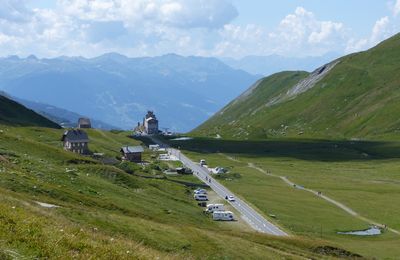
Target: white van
column 223, row 215
column 200, row 197
column 214, row 207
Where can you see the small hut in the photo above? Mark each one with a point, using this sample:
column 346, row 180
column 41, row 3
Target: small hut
column 132, row 153
column 84, row 123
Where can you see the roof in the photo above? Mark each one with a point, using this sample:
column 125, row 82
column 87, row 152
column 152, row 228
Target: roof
column 75, row 136
column 151, row 119
column 132, row 149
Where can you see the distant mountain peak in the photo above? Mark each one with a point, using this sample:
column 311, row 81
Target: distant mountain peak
column 32, row 57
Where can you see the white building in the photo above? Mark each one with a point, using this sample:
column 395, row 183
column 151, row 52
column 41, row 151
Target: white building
column 150, row 123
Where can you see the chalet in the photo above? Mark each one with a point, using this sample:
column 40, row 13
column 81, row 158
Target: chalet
column 76, row 141
column 132, row 153
column 84, row 123
column 150, row 123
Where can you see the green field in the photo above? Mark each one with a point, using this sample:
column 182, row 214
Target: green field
column 106, row 213
column 364, row 176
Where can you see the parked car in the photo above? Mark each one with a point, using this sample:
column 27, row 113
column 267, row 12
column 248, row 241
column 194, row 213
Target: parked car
column 183, row 170
column 200, row 191
column 200, row 197
column 223, row 215
column 219, row 170
column 202, row 162
column 231, row 198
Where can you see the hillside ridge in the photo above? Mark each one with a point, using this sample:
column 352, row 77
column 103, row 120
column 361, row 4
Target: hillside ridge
column 355, row 96
column 13, row 113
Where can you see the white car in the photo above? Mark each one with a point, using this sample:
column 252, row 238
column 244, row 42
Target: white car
column 202, row 162
column 231, row 198
column 200, row 191
column 200, row 197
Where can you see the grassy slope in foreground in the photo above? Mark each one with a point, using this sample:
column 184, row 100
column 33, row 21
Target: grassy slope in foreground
column 13, row 113
column 358, row 98
column 106, row 213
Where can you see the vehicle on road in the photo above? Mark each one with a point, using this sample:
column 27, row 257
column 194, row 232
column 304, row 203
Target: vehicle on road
column 223, row 215
column 200, row 197
column 214, row 207
column 231, row 198
column 202, row 162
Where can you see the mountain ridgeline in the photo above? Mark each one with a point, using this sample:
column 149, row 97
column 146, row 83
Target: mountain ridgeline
column 13, row 113
column 356, row 96
column 182, row 91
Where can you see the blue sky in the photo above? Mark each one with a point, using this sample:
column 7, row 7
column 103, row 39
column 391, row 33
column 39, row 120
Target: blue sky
column 270, row 13
column 229, row 28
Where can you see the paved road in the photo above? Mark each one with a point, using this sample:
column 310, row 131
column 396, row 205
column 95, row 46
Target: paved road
column 252, row 217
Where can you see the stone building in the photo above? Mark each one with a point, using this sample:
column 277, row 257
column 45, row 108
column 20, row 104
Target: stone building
column 150, row 123
column 132, row 153
column 84, row 123
column 76, row 141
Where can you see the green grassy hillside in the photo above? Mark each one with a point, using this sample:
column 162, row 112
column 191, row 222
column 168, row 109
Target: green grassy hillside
column 358, row 98
column 13, row 113
column 363, row 175
column 106, row 213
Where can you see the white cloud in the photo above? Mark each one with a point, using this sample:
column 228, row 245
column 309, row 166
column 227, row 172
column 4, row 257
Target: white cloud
column 177, row 13
column 382, row 29
column 14, row 10
column 298, row 34
column 301, row 32
column 326, row 30
column 155, row 27
column 396, row 8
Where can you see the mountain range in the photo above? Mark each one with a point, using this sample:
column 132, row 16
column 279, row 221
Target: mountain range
column 268, row 65
column 353, row 97
column 61, row 116
column 182, row 91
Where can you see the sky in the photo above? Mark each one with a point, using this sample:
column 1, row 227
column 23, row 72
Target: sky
column 220, row 28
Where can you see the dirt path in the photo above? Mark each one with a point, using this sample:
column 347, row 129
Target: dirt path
column 330, row 200
column 229, row 157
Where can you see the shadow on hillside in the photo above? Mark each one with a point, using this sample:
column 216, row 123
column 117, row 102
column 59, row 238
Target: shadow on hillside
column 313, row 150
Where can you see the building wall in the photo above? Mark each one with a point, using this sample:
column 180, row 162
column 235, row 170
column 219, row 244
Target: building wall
column 77, row 147
column 151, row 127
column 84, row 126
column 134, row 157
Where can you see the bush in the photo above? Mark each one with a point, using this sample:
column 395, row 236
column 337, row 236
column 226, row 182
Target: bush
column 228, row 176
column 129, row 167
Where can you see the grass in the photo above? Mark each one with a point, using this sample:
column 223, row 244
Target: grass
column 13, row 113
column 362, row 175
column 106, row 213
column 358, row 98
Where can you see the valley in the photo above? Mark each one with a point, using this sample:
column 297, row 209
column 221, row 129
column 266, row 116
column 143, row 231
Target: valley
column 366, row 186
column 201, row 129
column 104, row 212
